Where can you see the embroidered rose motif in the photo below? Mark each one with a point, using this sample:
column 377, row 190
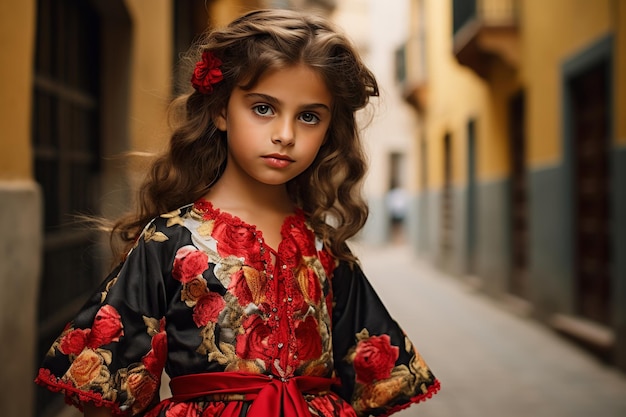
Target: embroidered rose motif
column 74, row 341
column 254, row 343
column 86, row 368
column 329, row 406
column 204, row 208
column 379, row 394
column 189, row 263
column 194, row 290
column 304, row 239
column 207, row 309
column 107, row 327
column 238, row 240
column 239, row 288
column 374, row 359
column 207, row 73
column 142, row 386
column 154, row 361
column 309, row 284
column 290, row 253
column 308, row 339
column 184, row 409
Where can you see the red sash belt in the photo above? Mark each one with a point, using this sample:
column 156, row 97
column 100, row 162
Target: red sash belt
column 271, row 396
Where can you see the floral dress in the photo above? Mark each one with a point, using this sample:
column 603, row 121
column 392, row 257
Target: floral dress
column 259, row 331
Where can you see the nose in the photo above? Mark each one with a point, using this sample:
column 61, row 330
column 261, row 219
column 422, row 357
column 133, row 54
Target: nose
column 284, row 132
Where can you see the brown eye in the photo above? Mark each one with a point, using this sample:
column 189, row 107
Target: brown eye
column 262, row 110
column 309, row 118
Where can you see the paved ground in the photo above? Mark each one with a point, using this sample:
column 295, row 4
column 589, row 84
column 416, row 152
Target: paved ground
column 491, row 363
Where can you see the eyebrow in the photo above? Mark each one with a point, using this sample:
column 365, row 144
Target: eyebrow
column 276, row 102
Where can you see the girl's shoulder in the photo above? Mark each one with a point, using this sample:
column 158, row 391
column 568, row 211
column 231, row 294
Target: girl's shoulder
column 167, row 228
column 173, row 219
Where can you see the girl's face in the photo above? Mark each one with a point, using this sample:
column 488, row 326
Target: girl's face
column 276, row 128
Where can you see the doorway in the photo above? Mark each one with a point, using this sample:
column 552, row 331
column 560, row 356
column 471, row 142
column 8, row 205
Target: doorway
column 447, row 211
column 471, row 199
column 518, row 281
column 66, row 149
column 589, row 103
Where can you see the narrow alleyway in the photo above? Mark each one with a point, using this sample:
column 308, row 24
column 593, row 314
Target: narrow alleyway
column 491, row 363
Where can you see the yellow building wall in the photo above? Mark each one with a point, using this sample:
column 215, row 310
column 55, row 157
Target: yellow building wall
column 224, row 11
column 455, row 96
column 554, row 31
column 17, row 37
column 151, row 72
column 151, row 78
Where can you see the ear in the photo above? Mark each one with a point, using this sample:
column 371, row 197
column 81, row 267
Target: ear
column 220, row 121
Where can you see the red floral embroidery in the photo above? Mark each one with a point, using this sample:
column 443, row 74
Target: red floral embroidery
column 304, row 238
column 207, row 73
column 185, row 409
column 189, row 263
column 142, row 387
column 332, row 406
column 328, row 262
column 86, row 368
column 205, row 208
column 299, row 303
column 235, row 238
column 194, row 290
column 74, row 341
column 73, row 395
column 154, row 361
column 375, row 358
column 107, row 327
column 254, row 343
column 208, row 309
column 309, row 283
column 170, row 408
column 289, row 253
column 239, row 288
column 308, row 339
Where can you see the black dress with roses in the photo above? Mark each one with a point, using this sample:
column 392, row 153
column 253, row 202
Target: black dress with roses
column 201, row 293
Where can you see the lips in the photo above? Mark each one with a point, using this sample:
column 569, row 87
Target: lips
column 277, row 160
column 279, row 156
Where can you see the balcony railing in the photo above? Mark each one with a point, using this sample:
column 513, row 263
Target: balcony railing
column 484, row 31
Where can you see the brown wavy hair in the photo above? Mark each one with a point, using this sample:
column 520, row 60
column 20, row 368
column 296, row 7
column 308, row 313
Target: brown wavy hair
column 329, row 191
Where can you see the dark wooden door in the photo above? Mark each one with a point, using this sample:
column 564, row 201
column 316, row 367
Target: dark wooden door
column 518, row 284
column 471, row 217
column 591, row 176
column 446, row 199
column 66, row 160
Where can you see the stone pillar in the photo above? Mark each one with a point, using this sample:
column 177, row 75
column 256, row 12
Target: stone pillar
column 20, row 265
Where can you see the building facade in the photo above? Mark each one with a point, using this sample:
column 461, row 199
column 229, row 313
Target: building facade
column 522, row 156
column 83, row 85
column 379, row 32
column 85, row 90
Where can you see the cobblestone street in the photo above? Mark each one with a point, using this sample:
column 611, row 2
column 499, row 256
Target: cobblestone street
column 490, row 361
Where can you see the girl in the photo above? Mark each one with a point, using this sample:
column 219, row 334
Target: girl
column 249, row 297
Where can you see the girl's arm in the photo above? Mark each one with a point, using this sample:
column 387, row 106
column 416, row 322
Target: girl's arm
column 93, row 411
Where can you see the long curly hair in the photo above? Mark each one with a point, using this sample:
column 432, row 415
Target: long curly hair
column 329, row 190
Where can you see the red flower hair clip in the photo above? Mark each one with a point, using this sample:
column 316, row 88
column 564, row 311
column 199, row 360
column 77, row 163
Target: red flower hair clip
column 207, row 73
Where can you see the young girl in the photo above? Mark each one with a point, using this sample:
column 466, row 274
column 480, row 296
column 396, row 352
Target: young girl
column 249, row 296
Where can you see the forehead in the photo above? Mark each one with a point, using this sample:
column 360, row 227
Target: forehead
column 297, row 83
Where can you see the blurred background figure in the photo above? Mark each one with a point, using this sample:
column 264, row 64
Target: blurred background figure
column 397, row 201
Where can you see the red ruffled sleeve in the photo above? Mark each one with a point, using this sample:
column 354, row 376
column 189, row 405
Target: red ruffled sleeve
column 380, row 369
column 113, row 352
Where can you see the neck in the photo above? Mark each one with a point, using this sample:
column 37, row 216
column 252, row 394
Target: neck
column 234, row 195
